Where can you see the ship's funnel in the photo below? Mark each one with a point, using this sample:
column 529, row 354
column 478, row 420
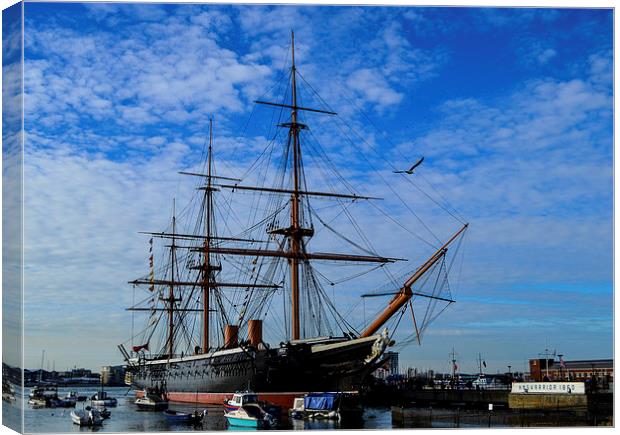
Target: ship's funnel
column 231, row 336
column 255, row 332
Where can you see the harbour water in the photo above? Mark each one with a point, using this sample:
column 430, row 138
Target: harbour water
column 127, row 418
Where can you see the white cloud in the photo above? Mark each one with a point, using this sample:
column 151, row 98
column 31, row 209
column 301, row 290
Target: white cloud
column 180, row 70
column 373, row 87
column 601, row 69
column 546, row 55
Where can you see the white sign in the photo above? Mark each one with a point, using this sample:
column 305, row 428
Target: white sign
column 548, row 388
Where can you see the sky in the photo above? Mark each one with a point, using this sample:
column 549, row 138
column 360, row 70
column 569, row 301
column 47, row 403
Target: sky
column 511, row 108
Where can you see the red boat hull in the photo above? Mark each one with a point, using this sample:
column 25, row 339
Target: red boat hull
column 284, row 399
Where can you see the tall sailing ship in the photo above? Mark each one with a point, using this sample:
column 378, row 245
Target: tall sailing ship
column 211, row 297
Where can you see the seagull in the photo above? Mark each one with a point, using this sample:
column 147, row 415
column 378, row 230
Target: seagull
column 410, row 170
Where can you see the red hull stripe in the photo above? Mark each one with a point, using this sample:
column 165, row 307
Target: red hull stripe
column 285, row 400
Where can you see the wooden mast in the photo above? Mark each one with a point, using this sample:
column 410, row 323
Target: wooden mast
column 171, row 299
column 294, row 237
column 207, row 272
column 295, row 232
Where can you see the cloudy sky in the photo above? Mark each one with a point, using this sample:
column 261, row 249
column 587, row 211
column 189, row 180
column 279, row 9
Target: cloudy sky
column 512, row 109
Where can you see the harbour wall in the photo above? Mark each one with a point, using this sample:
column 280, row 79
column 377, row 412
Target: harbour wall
column 454, row 408
column 548, row 401
column 464, row 398
column 462, row 418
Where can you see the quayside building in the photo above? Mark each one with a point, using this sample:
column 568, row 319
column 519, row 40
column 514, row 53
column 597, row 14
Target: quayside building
column 543, row 369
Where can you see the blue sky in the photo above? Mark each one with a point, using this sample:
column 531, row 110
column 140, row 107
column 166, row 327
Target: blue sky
column 512, row 109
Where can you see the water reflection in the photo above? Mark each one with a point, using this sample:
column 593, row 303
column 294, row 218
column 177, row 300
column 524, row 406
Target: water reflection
column 315, row 424
column 241, row 428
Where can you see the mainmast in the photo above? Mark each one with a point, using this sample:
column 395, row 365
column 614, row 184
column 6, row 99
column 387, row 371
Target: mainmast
column 294, row 236
column 208, row 269
column 295, row 232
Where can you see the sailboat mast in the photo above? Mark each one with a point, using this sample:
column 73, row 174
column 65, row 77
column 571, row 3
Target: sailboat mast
column 453, row 355
column 42, row 362
column 207, row 272
column 294, row 237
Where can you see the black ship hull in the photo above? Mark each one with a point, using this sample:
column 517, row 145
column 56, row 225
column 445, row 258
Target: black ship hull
column 291, row 368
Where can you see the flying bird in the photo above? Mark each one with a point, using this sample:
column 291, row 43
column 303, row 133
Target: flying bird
column 410, row 170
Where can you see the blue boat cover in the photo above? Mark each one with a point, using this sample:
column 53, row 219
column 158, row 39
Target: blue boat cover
column 322, row 401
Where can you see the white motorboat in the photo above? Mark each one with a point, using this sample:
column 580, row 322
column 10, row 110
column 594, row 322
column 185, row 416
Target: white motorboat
column 151, row 402
column 102, row 399
column 37, row 403
column 86, row 417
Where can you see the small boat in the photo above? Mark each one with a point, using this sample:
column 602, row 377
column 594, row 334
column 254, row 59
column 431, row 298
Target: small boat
column 8, row 392
column 101, row 398
column 37, row 403
column 297, row 412
column 43, row 396
column 70, row 397
column 240, row 399
column 44, row 392
column 8, row 397
column 151, row 402
column 245, row 397
column 185, row 417
column 86, row 417
column 61, row 403
column 332, row 406
column 251, row 415
column 73, row 395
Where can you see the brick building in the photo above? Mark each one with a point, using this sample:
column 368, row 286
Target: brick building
column 601, row 369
